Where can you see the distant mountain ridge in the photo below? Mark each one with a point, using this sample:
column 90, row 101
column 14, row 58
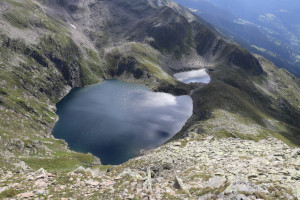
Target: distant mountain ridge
column 268, row 28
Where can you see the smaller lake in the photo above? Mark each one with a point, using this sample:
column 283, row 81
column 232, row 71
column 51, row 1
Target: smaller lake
column 194, row 76
column 114, row 120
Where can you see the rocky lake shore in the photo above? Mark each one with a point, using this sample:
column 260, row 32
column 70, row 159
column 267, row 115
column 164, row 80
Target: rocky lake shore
column 195, row 167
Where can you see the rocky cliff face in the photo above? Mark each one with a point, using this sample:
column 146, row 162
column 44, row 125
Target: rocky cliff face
column 48, row 47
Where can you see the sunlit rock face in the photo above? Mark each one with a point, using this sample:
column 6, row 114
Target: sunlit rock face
column 115, row 120
column 195, row 76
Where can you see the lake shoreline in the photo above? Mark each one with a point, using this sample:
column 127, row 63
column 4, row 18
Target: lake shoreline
column 162, row 102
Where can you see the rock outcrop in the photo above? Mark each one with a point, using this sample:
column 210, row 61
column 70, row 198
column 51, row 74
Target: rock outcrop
column 194, row 168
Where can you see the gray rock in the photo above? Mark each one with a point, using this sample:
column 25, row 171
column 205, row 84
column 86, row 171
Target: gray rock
column 2, row 189
column 40, row 183
column 209, row 138
column 243, row 186
column 15, row 144
column 22, row 165
column 167, row 166
column 25, row 195
column 80, row 169
column 97, row 161
column 127, row 172
column 41, row 173
column 41, row 192
column 216, row 182
column 295, row 153
column 92, row 183
column 206, row 197
column 89, row 172
column 179, row 183
column 149, row 179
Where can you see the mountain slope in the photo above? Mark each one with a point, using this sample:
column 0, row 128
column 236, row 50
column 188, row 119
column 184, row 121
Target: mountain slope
column 49, row 47
column 266, row 28
column 135, row 42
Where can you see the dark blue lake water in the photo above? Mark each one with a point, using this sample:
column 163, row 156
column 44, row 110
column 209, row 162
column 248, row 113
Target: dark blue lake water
column 114, row 120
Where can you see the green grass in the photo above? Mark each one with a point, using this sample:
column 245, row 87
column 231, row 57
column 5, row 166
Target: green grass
column 65, row 162
column 71, row 56
column 10, row 193
column 92, row 55
column 102, row 167
column 91, row 68
column 28, row 111
column 16, row 20
column 28, row 14
column 203, row 176
column 207, row 190
column 88, row 77
column 223, row 133
column 147, row 60
column 248, row 100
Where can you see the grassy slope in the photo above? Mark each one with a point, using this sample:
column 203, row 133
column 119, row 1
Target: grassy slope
column 34, row 78
column 144, row 59
column 252, row 107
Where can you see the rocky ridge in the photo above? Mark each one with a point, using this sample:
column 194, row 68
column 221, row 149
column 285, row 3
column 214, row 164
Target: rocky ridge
column 195, row 168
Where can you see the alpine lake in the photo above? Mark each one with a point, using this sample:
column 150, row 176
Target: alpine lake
column 116, row 121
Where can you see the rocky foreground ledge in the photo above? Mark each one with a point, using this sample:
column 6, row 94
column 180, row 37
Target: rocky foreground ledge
column 194, row 168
